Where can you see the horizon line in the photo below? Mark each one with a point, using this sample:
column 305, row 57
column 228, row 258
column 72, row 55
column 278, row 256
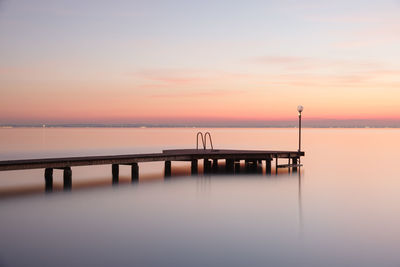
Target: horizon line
column 78, row 125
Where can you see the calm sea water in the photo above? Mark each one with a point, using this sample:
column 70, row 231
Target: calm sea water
column 341, row 209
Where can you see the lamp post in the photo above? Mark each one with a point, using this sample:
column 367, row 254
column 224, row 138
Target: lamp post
column 300, row 109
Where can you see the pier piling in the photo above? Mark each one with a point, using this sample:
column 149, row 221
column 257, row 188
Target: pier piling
column 135, row 172
column 230, row 165
column 48, row 178
column 268, row 166
column 294, row 164
column 67, row 178
column 246, row 165
column 254, row 166
column 194, row 167
column 167, row 168
column 215, row 165
column 237, row 167
column 207, row 166
column 115, row 173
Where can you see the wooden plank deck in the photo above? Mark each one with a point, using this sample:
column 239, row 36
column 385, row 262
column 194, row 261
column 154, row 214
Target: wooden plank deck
column 166, row 155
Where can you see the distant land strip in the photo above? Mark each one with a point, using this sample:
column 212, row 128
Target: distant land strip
column 309, row 124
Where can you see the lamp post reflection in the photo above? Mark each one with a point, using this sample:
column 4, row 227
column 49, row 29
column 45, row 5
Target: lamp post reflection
column 301, row 226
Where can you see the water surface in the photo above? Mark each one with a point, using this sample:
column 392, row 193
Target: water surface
column 342, row 209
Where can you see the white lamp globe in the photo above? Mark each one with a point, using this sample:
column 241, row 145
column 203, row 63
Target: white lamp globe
column 300, row 108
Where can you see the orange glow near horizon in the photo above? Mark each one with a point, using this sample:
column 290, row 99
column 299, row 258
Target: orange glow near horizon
column 251, row 97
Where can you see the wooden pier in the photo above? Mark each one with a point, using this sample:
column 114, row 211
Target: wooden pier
column 210, row 159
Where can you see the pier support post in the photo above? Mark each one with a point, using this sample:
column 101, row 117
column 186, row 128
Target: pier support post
column 268, row 166
column 167, row 168
column 237, row 167
column 246, row 166
column 67, row 178
column 48, row 179
column 135, row 172
column 115, row 173
column 294, row 162
column 207, row 166
column 251, row 166
column 276, row 165
column 254, row 165
column 230, row 165
column 215, row 165
column 194, row 167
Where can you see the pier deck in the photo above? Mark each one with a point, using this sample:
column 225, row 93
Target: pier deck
column 231, row 157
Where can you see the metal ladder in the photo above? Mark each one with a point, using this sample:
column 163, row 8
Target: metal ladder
column 204, row 140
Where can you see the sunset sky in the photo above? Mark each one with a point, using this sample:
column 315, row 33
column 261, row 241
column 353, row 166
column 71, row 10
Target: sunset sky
column 198, row 61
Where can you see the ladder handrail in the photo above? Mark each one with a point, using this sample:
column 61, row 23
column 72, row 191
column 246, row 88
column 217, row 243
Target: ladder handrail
column 202, row 140
column 205, row 140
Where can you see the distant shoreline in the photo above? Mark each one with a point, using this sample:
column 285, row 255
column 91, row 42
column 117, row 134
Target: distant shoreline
column 196, row 126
